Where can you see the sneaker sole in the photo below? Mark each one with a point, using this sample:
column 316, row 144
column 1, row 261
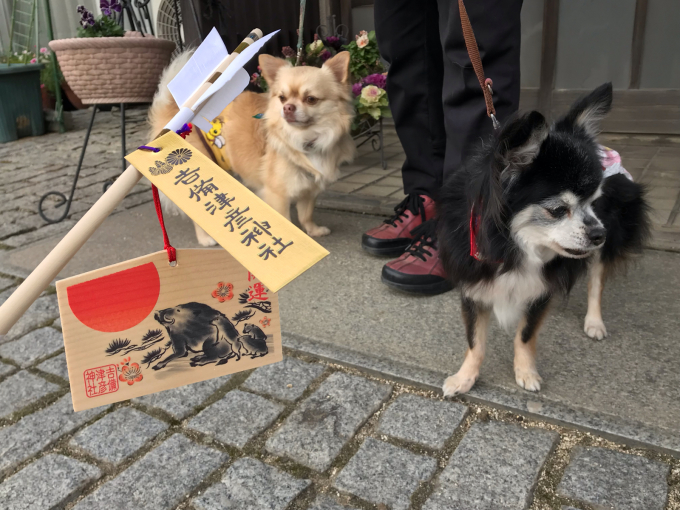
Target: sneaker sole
column 431, row 289
column 385, row 252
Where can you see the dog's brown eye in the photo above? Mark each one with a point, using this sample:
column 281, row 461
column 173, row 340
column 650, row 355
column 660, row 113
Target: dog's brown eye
column 558, row 212
column 282, row 98
column 312, row 100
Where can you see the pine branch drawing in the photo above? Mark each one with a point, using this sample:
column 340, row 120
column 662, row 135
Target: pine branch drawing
column 152, row 336
column 155, row 354
column 124, row 347
column 152, row 356
column 134, row 348
column 117, row 346
column 241, row 316
column 263, row 306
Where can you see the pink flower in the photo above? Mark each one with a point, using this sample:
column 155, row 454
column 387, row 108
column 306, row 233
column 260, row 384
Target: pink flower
column 33, row 61
column 362, row 40
column 356, row 89
column 43, row 50
column 254, row 78
column 288, row 52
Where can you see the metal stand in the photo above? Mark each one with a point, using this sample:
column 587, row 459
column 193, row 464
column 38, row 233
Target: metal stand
column 66, row 202
column 374, row 133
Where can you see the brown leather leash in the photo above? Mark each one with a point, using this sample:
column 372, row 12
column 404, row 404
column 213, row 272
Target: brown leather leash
column 473, row 52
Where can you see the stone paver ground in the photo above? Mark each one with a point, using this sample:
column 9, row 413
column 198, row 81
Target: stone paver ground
column 303, row 434
column 332, row 439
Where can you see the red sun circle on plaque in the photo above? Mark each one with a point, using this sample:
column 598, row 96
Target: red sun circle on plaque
column 118, row 301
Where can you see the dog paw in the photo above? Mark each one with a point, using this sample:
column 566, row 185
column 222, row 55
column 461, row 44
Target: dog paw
column 594, row 328
column 528, row 379
column 317, row 231
column 458, row 384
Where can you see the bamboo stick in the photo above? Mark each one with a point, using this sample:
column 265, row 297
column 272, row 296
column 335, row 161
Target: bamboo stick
column 17, row 304
column 22, row 298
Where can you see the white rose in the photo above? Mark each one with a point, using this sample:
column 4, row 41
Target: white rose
column 371, row 94
column 362, row 41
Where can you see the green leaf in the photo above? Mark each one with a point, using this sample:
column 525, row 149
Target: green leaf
column 374, row 112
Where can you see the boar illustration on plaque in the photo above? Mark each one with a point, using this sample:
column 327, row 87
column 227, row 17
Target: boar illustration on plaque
column 127, row 333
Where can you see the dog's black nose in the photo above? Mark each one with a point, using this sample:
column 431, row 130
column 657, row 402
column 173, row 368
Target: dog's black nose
column 597, row 235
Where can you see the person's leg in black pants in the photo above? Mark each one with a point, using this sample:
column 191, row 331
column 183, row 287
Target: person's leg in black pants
column 408, row 38
column 404, row 29
column 496, row 24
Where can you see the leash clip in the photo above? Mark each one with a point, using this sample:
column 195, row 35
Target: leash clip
column 496, row 124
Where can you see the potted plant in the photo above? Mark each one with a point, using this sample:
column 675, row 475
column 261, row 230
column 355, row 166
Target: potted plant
column 21, row 107
column 105, row 65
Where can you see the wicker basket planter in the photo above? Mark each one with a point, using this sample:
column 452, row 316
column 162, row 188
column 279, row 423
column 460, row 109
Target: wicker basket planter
column 106, row 70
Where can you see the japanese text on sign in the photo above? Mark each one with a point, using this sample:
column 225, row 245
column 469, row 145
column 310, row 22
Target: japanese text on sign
column 251, row 232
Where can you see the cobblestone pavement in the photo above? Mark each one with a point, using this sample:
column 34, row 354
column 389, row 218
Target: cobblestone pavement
column 30, row 167
column 300, row 434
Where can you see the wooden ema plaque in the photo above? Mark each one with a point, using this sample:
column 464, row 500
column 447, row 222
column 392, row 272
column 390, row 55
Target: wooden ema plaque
column 143, row 326
column 255, row 234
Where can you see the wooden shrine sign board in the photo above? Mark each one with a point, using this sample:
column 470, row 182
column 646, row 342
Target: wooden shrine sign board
column 143, row 326
column 260, row 238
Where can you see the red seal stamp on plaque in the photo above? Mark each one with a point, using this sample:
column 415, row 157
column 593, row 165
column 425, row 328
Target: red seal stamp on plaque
column 101, row 380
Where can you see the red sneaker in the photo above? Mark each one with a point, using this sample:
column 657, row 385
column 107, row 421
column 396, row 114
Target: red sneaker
column 419, row 270
column 394, row 235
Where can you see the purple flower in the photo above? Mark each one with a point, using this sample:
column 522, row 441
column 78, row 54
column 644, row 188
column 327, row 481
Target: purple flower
column 356, row 89
column 107, row 6
column 325, row 55
column 288, row 52
column 334, row 42
column 379, row 80
column 86, row 17
column 81, row 9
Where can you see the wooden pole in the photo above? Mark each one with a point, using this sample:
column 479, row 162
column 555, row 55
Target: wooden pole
column 17, row 304
column 301, row 27
column 49, row 268
column 22, row 298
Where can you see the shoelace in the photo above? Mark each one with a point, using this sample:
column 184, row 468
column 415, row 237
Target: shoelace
column 424, row 236
column 414, row 203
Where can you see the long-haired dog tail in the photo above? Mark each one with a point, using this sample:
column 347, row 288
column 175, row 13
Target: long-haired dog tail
column 163, row 106
column 624, row 212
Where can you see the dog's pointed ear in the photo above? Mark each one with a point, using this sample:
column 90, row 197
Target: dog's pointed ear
column 587, row 113
column 339, row 66
column 520, row 141
column 271, row 66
